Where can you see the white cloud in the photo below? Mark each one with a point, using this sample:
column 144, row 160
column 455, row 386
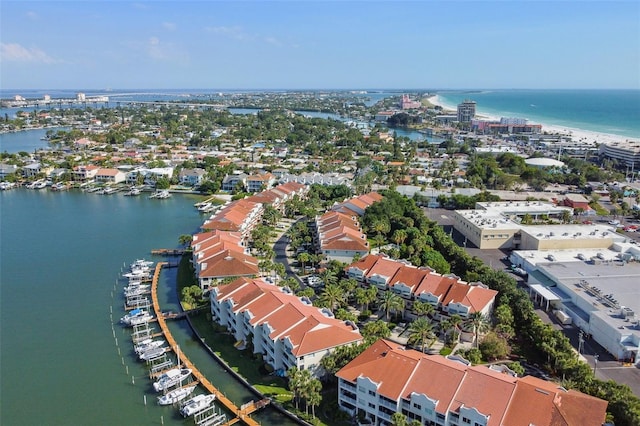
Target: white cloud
column 32, row 15
column 274, row 41
column 14, row 52
column 235, row 32
column 169, row 26
column 156, row 49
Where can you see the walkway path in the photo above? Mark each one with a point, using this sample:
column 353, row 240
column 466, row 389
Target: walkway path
column 242, row 413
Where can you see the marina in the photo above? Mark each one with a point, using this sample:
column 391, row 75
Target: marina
column 242, row 414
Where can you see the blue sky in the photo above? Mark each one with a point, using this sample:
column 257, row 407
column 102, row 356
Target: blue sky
column 318, row 45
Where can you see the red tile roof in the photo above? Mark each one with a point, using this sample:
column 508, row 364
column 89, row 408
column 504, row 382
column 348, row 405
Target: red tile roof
column 307, row 328
column 506, row 400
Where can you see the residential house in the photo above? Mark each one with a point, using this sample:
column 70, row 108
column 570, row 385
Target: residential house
column 260, row 182
column 231, row 182
column 433, row 390
column 7, row 170
column 85, row 173
column 192, row 177
column 110, row 176
column 287, row 331
column 36, row 169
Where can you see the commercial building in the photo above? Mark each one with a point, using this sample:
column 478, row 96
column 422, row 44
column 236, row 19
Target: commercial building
column 597, row 289
column 499, row 225
column 434, row 390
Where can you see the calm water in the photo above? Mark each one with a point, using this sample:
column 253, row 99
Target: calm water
column 27, row 141
column 607, row 111
column 61, row 254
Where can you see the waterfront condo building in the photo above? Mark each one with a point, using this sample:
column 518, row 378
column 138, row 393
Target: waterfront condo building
column 287, row 331
column 434, row 390
column 466, row 111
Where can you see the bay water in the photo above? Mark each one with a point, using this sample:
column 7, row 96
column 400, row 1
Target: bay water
column 61, row 254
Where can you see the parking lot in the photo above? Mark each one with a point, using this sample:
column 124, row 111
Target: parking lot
column 607, row 368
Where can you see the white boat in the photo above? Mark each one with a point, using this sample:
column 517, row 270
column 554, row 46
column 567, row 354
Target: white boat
column 7, row 185
column 151, row 353
column 171, row 378
column 176, row 395
column 196, row 404
column 147, row 344
column 133, row 192
column 135, row 317
column 138, row 273
column 161, row 194
column 39, row 184
column 133, row 291
column 141, row 264
column 109, row 190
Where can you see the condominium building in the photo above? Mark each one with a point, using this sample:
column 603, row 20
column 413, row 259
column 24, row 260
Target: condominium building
column 287, row 331
column 627, row 153
column 433, row 390
column 466, row 111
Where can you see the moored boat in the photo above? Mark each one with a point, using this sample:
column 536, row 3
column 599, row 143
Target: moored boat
column 136, row 316
column 161, row 194
column 151, row 353
column 147, row 344
column 176, row 395
column 171, row 378
column 7, row 185
column 133, row 192
column 196, row 404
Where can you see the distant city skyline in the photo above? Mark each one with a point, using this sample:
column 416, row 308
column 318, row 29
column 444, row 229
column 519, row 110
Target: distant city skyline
column 320, row 45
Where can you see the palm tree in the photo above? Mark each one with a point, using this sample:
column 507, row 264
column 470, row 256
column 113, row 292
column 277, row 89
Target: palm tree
column 422, row 309
column 479, row 322
column 332, row 295
column 328, row 277
column 455, row 321
column 313, row 395
column 421, row 330
column 303, row 258
column 391, row 302
column 399, row 235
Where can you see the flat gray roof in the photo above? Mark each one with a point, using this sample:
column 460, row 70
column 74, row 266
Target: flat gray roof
column 619, row 280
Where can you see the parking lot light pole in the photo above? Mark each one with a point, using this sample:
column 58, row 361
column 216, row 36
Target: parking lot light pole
column 595, row 364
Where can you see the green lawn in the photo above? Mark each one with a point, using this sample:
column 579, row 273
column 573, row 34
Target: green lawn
column 243, row 362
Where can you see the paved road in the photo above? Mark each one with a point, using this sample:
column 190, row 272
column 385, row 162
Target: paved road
column 280, row 249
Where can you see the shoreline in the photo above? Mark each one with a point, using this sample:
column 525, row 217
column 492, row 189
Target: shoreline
column 576, row 134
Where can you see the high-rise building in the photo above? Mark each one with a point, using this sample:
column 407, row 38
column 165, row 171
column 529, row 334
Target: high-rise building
column 466, row 111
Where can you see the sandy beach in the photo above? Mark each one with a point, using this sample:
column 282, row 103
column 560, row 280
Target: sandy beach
column 577, row 135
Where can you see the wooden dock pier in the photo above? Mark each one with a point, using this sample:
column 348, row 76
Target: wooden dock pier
column 242, row 414
column 167, row 252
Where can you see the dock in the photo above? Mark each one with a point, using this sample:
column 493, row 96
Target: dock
column 242, row 413
column 167, row 252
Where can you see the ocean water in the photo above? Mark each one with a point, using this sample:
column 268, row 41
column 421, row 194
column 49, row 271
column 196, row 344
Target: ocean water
column 605, row 111
column 60, row 257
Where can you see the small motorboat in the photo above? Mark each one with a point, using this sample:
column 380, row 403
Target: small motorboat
column 176, row 395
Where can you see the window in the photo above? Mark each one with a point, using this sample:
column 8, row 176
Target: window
column 418, row 406
column 372, row 393
column 466, row 420
column 371, row 405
